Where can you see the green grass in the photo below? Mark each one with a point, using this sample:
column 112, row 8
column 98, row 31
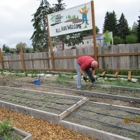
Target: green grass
column 119, row 82
column 63, row 78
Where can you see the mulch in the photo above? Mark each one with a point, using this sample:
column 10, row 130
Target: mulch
column 40, row 129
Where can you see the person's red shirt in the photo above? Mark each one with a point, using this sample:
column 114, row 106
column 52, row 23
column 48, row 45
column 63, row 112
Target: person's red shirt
column 85, row 62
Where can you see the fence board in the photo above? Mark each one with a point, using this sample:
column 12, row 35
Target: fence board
column 133, row 59
column 124, row 60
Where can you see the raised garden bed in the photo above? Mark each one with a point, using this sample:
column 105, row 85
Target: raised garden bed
column 101, row 117
column 8, row 132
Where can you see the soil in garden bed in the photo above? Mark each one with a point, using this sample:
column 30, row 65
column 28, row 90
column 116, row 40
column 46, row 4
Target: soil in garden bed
column 49, row 102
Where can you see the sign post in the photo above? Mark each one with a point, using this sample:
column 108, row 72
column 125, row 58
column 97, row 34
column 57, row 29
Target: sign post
column 94, row 30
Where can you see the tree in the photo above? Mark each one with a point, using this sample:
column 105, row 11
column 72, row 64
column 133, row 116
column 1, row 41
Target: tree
column 24, row 45
column 110, row 23
column 123, row 29
column 58, row 7
column 5, row 48
column 138, row 29
column 89, row 32
column 134, row 31
column 107, row 37
column 39, row 37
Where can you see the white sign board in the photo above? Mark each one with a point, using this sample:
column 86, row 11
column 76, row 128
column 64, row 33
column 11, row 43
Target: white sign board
column 71, row 20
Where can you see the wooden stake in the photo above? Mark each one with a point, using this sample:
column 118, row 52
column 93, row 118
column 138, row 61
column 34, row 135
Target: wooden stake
column 129, row 75
column 103, row 73
column 116, row 74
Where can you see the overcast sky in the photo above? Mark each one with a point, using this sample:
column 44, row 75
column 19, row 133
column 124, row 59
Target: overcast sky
column 16, row 15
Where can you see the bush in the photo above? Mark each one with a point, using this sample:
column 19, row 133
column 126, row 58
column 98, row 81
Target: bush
column 117, row 40
column 130, row 39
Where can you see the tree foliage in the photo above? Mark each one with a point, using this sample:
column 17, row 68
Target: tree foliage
column 24, row 45
column 107, row 37
column 110, row 23
column 117, row 40
column 39, row 37
column 130, row 39
column 123, row 29
column 138, row 29
column 134, row 31
column 58, row 7
column 5, row 48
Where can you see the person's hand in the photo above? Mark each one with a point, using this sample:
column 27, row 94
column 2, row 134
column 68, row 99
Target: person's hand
column 93, row 80
column 86, row 79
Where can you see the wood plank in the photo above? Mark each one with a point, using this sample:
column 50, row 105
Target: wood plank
column 129, row 75
column 72, row 108
column 103, row 73
column 116, row 74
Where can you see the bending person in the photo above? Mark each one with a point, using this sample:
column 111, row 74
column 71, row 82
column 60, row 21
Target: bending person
column 85, row 64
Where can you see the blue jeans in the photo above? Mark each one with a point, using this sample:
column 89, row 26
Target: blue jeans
column 77, row 67
column 88, row 71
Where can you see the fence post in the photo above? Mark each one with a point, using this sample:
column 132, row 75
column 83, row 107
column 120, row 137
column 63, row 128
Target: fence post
column 22, row 58
column 1, row 58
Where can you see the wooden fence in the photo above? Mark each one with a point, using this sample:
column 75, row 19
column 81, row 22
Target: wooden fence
column 115, row 58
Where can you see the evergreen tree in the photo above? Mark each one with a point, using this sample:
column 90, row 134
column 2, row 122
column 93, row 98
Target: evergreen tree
column 110, row 23
column 138, row 30
column 134, row 31
column 5, row 48
column 39, row 37
column 58, row 7
column 106, row 22
column 123, row 29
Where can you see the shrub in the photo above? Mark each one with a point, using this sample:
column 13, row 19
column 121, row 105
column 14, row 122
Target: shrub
column 130, row 39
column 117, row 40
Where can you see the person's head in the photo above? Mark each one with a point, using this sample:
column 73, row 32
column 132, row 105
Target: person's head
column 94, row 64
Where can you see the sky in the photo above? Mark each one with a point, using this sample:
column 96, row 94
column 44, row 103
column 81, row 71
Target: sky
column 16, row 16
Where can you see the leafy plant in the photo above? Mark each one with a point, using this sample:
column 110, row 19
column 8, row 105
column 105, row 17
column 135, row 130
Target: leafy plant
column 5, row 128
column 134, row 134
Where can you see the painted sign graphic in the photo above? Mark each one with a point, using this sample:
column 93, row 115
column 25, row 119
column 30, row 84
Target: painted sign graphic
column 71, row 20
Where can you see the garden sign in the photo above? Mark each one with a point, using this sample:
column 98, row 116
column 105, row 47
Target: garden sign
column 71, row 20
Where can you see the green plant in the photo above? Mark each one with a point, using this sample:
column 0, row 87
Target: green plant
column 130, row 39
column 5, row 128
column 134, row 134
column 117, row 40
